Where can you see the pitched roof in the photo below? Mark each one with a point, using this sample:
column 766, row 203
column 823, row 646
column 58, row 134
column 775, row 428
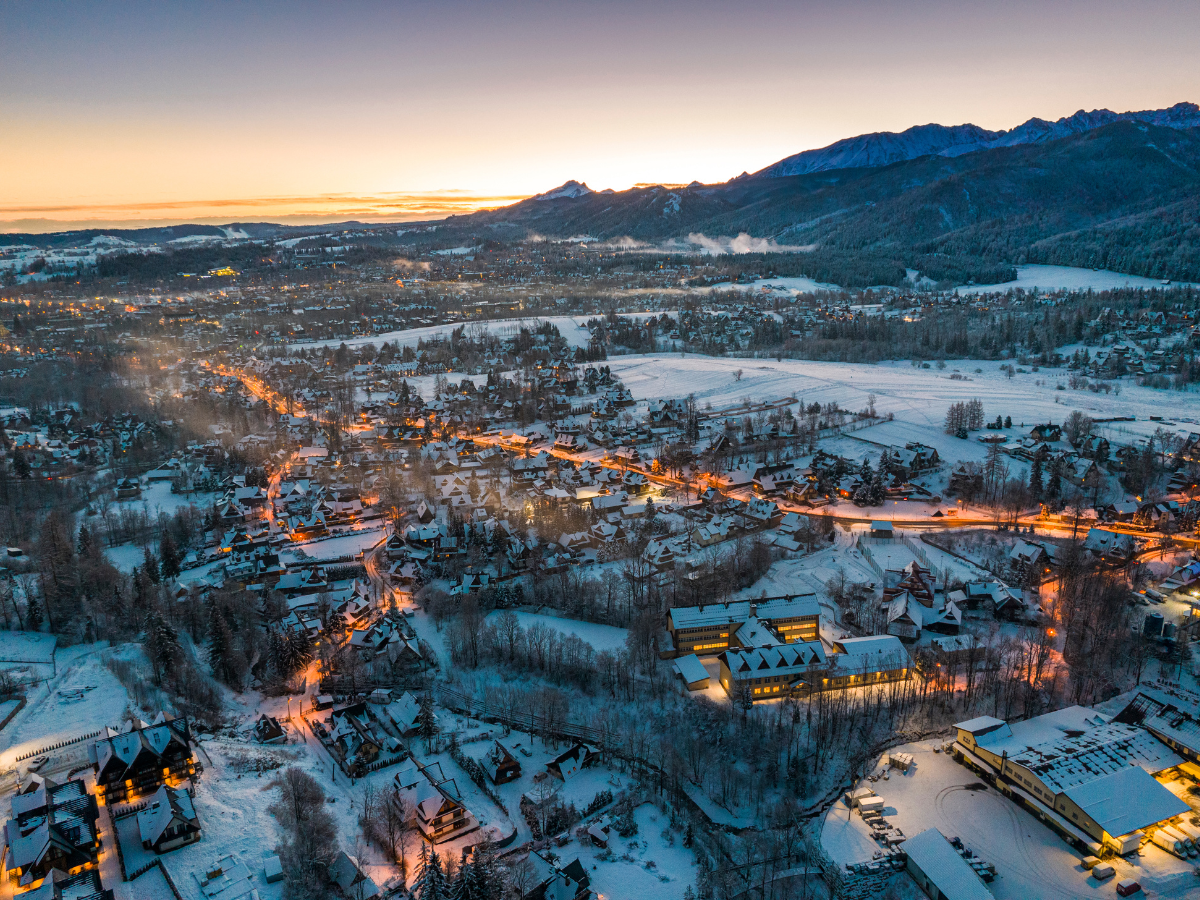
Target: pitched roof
column 727, row 613
column 1126, row 801
column 165, row 806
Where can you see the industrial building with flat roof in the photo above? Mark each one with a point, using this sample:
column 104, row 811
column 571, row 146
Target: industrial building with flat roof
column 1094, row 774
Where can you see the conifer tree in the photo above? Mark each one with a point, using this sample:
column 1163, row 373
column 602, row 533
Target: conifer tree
column 1036, row 487
column 862, row 494
column 467, row 885
column 34, row 615
column 150, row 566
column 220, row 645
column 276, row 653
column 21, row 467
column 431, row 882
column 491, row 883
column 426, row 720
column 299, row 651
column 877, row 492
column 162, row 645
column 170, row 566
column 85, row 541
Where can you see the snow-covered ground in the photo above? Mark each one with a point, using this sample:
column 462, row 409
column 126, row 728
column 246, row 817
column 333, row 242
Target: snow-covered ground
column 1045, row 278
column 27, row 646
column 784, row 285
column 156, row 496
column 601, row 637
column 915, row 396
column 351, row 544
column 1050, row 278
column 83, row 698
column 125, row 556
column 652, row 863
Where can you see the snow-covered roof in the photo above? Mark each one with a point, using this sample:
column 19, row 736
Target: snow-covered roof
column 755, row 633
column 869, row 646
column 1175, row 718
column 691, row 669
column 981, row 725
column 728, row 613
column 786, row 659
column 1126, row 801
column 350, row 879
column 1074, row 746
column 933, row 855
column 165, row 806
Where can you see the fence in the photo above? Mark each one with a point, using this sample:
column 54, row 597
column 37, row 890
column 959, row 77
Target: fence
column 923, row 558
column 20, row 706
column 52, row 747
column 863, row 546
column 476, row 773
column 112, row 824
column 142, row 870
column 170, row 881
column 120, row 812
column 866, row 554
column 384, row 763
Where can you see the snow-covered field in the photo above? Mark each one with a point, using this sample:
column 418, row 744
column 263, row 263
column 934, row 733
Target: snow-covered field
column 793, row 286
column 83, row 698
column 1069, row 278
column 26, row 646
column 915, row 396
column 157, row 496
column 125, row 556
column 1046, row 278
column 652, row 863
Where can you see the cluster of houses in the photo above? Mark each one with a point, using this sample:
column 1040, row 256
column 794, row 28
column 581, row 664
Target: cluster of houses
column 915, row 606
column 144, row 772
column 61, row 443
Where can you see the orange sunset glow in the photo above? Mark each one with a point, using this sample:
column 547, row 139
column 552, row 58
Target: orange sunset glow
column 125, row 113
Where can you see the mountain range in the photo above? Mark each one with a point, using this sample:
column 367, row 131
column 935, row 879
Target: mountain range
column 1098, row 189
column 1104, row 190
column 886, row 147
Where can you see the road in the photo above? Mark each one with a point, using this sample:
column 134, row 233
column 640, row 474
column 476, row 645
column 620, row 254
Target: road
column 925, row 523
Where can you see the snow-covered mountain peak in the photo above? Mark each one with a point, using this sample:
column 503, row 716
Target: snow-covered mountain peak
column 885, row 147
column 568, row 191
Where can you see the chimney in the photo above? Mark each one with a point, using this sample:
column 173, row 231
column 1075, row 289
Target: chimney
column 753, row 610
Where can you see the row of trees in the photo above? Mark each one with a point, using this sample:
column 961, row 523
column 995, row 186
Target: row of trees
column 963, row 417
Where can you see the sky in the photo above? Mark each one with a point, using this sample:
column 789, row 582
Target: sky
column 129, row 112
